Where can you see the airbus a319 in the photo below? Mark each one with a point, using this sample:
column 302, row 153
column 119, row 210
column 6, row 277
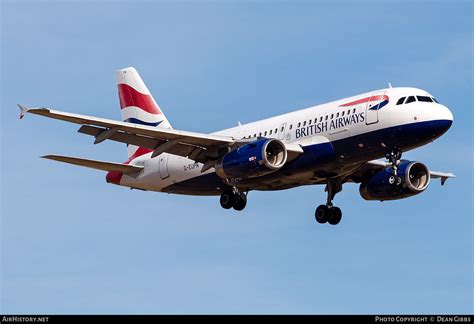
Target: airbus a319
column 329, row 144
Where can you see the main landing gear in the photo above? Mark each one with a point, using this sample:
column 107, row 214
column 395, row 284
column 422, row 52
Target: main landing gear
column 394, row 157
column 329, row 213
column 233, row 198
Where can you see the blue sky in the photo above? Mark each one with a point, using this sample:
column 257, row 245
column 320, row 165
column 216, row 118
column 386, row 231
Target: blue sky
column 70, row 243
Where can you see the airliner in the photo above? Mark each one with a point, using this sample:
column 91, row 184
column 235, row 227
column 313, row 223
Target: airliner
column 329, row 144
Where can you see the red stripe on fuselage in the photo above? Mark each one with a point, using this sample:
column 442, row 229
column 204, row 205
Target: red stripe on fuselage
column 131, row 97
column 114, row 177
column 364, row 100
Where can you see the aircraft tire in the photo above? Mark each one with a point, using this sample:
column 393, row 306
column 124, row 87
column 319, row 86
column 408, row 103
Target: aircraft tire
column 240, row 201
column 335, row 215
column 322, row 214
column 227, row 199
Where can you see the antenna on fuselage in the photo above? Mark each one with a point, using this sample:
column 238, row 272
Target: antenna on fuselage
column 238, row 123
column 389, row 85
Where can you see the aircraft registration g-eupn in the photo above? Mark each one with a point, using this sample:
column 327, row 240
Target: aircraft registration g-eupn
column 331, row 144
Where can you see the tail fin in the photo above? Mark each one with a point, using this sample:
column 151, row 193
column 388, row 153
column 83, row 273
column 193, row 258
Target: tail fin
column 137, row 104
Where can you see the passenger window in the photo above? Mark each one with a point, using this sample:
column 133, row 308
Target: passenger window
column 271, row 131
column 276, row 129
column 410, row 99
column 299, row 124
column 254, row 135
column 259, row 134
column 326, row 118
column 343, row 113
column 310, row 121
column 304, row 123
column 321, row 119
column 354, row 111
column 291, row 126
column 337, row 115
column 401, row 100
column 316, row 120
column 424, row 99
column 282, row 128
column 348, row 112
column 265, row 133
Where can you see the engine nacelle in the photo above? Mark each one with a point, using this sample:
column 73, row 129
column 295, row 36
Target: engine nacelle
column 415, row 179
column 254, row 159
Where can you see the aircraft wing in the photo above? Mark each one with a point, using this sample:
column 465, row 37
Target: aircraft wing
column 377, row 165
column 196, row 146
column 172, row 141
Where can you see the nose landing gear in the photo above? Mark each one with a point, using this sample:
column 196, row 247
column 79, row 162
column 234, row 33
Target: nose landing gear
column 394, row 157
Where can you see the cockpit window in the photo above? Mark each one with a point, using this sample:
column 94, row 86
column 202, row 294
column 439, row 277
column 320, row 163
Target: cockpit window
column 401, row 100
column 424, row 99
column 434, row 99
column 410, row 99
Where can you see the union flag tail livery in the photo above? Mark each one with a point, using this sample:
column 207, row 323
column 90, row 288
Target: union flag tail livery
column 137, row 105
column 329, row 144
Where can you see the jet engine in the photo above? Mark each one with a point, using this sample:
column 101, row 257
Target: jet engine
column 414, row 178
column 254, row 159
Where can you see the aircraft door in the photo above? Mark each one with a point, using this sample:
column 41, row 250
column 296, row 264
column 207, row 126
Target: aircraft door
column 163, row 166
column 281, row 131
column 371, row 111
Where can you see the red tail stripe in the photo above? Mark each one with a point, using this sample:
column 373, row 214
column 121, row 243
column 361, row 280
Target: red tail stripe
column 139, row 152
column 373, row 98
column 116, row 176
column 131, row 97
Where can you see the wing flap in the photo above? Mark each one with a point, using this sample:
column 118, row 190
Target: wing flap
column 122, row 137
column 94, row 164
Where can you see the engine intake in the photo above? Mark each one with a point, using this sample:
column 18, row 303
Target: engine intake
column 415, row 179
column 254, row 159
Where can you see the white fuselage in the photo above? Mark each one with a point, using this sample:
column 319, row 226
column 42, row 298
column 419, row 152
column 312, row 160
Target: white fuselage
column 358, row 132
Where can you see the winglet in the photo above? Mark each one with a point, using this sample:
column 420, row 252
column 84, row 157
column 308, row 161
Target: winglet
column 23, row 110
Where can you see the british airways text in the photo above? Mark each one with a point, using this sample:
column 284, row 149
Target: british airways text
column 329, row 125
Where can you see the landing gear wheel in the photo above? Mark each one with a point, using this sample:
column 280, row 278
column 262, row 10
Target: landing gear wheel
column 228, row 199
column 395, row 180
column 392, row 179
column 399, row 181
column 322, row 214
column 335, row 215
column 240, row 201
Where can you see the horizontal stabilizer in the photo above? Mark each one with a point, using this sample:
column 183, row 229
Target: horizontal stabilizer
column 99, row 165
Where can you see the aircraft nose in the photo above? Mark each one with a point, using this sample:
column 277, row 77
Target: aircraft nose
column 445, row 114
column 442, row 122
